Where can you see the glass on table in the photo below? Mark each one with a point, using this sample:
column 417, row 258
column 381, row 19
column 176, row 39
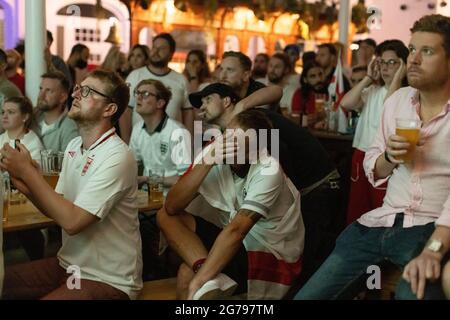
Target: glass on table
column 51, row 164
column 155, row 185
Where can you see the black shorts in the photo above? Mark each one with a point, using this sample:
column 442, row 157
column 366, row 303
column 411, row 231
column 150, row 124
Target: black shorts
column 237, row 268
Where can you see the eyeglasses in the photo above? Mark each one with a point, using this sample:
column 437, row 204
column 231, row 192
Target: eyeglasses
column 85, row 91
column 389, row 63
column 144, row 94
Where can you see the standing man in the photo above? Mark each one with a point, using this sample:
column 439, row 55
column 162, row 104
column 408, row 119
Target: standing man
column 412, row 228
column 293, row 52
column 94, row 203
column 327, row 56
column 260, row 65
column 54, row 126
column 279, row 74
column 78, row 63
column 162, row 51
column 54, row 62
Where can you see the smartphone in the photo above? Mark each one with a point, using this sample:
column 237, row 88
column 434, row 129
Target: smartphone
column 16, row 144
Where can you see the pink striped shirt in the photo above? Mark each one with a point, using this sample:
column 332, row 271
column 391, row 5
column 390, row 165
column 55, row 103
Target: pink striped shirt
column 419, row 189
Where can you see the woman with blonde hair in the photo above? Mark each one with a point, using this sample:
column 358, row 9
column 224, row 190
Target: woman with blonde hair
column 116, row 60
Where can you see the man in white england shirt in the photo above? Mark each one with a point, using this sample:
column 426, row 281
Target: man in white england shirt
column 94, row 203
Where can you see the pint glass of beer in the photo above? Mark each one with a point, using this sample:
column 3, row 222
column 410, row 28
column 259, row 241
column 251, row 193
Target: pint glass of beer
column 409, row 129
column 51, row 163
column 156, row 186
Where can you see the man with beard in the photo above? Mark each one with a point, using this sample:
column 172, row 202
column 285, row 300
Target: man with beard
column 94, row 203
column 412, row 228
column 279, row 74
column 158, row 69
column 304, row 100
column 305, row 162
column 54, row 127
column 235, row 71
column 78, row 62
column 259, row 70
column 327, row 56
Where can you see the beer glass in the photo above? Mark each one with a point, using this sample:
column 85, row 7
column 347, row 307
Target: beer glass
column 51, row 163
column 156, row 185
column 409, row 129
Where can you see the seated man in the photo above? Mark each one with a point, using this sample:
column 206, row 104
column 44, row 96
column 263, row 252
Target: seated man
column 412, row 227
column 305, row 162
column 94, row 203
column 158, row 140
column 260, row 243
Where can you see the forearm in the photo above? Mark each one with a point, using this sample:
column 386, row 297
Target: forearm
column 125, row 125
column 268, row 95
column 185, row 190
column 222, row 252
column 352, row 99
column 383, row 168
column 170, row 181
column 49, row 202
column 442, row 234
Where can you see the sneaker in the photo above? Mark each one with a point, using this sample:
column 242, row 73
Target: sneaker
column 218, row 288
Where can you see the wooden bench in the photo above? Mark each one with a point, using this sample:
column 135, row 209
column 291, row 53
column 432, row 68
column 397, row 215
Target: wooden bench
column 164, row 289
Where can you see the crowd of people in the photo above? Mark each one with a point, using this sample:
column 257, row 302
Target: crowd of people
column 267, row 219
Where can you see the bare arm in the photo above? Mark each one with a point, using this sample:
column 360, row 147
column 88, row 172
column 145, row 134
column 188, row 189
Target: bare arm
column 397, row 80
column 29, row 181
column 396, row 146
column 224, row 248
column 264, row 96
column 125, row 125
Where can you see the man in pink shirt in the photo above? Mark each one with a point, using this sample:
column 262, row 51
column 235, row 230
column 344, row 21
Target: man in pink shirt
column 412, row 227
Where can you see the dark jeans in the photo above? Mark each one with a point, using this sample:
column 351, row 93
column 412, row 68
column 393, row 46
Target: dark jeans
column 359, row 247
column 324, row 220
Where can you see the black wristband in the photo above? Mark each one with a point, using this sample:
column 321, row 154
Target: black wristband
column 387, row 158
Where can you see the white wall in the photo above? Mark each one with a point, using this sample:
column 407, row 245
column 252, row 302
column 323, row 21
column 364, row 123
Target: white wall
column 395, row 23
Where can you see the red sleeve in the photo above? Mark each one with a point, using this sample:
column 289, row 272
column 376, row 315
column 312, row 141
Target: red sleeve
column 296, row 99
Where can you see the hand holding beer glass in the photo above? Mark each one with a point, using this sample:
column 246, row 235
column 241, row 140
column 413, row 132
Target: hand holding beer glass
column 402, row 145
column 51, row 164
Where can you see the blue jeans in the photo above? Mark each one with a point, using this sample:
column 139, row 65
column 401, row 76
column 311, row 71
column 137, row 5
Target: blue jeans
column 358, row 247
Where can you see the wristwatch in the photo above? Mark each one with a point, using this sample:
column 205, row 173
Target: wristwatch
column 434, row 245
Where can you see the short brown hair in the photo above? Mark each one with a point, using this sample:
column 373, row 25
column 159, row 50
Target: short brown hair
column 58, row 75
column 284, row 58
column 116, row 89
column 244, row 60
column 435, row 23
column 162, row 92
column 25, row 107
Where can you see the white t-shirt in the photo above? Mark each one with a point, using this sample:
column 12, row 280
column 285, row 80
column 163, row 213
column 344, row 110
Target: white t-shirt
column 280, row 231
column 46, row 127
column 370, row 118
column 30, row 140
column 286, row 99
column 167, row 147
column 103, row 181
column 173, row 80
column 294, row 80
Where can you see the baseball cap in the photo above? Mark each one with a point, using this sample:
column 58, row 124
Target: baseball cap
column 221, row 89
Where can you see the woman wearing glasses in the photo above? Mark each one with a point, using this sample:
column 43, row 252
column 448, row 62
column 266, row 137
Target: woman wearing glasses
column 385, row 75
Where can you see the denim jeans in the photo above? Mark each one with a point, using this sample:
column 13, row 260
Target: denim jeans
column 358, row 247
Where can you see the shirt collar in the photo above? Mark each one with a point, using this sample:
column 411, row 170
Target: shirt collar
column 415, row 101
column 103, row 138
column 160, row 126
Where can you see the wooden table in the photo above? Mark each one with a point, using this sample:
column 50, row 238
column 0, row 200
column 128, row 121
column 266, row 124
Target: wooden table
column 27, row 216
